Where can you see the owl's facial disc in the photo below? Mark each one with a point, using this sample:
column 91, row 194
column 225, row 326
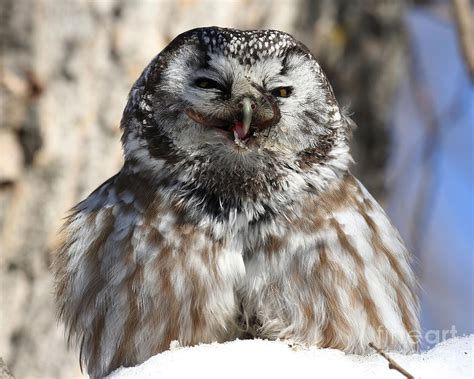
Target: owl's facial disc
column 213, row 91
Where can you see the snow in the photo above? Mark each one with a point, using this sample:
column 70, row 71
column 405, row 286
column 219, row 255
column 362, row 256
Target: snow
column 276, row 359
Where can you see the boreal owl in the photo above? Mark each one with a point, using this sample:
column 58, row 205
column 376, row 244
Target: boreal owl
column 234, row 215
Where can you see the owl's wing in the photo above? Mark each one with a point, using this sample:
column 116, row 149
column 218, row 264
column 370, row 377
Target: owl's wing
column 359, row 248
column 338, row 277
column 132, row 276
column 90, row 268
column 100, row 270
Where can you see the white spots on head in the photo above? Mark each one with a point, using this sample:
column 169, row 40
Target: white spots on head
column 248, row 46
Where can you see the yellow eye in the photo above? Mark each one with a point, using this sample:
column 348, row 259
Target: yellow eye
column 282, row 92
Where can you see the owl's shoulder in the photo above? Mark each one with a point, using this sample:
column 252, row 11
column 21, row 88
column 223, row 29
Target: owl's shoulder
column 104, row 222
column 345, row 205
column 344, row 193
column 349, row 213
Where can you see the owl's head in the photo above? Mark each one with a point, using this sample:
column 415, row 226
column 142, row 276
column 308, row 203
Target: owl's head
column 237, row 102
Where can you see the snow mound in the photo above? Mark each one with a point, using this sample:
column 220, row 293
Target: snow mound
column 275, row 359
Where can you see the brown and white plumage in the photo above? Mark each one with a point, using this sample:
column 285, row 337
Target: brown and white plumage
column 213, row 231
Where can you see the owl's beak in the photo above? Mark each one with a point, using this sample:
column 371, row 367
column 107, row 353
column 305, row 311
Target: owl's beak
column 247, row 113
column 241, row 128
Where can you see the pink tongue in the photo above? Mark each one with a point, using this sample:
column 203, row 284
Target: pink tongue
column 240, row 129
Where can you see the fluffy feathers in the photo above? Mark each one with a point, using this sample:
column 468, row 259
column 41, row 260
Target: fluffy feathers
column 199, row 239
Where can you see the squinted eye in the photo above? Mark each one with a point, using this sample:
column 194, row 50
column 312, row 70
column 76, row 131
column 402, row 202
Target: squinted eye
column 206, row 83
column 282, row 91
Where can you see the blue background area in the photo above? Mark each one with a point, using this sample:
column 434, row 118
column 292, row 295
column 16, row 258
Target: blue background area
column 431, row 172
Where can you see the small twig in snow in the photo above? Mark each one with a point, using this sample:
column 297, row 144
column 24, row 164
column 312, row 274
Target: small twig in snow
column 391, row 363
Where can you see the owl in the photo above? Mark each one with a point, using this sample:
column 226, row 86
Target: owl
column 235, row 215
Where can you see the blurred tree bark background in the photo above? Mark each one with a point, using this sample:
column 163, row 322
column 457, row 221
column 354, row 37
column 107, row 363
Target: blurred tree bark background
column 66, row 68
